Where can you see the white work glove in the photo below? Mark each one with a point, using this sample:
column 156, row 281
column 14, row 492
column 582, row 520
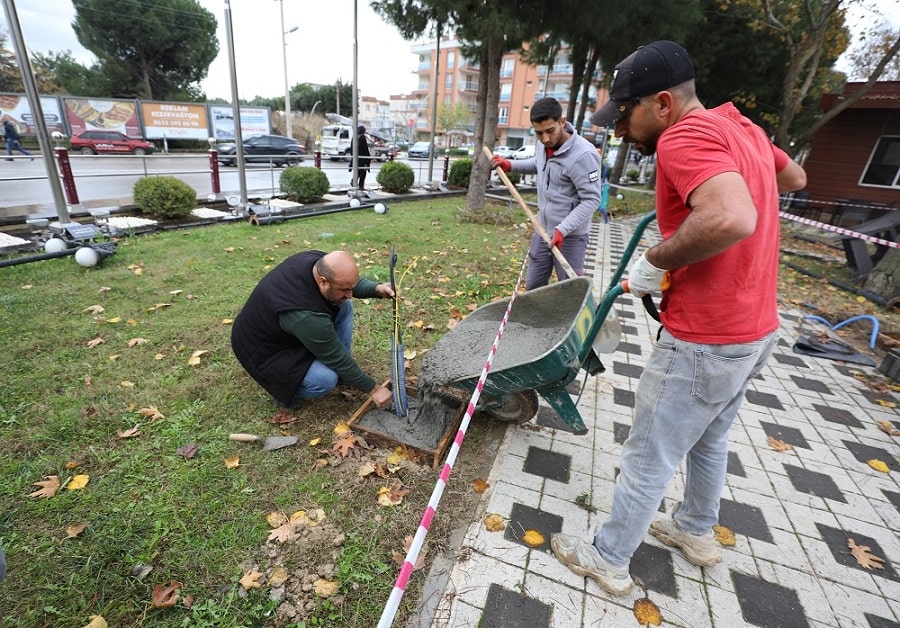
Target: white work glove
column 644, row 277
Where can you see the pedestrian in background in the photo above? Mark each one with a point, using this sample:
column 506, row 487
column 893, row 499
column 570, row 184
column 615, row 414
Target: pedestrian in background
column 718, row 179
column 567, row 169
column 12, row 140
column 363, row 159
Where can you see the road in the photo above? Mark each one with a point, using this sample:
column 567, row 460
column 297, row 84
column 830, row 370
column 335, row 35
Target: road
column 108, row 180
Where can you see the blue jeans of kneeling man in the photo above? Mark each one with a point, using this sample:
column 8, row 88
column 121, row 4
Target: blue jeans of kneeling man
column 321, row 380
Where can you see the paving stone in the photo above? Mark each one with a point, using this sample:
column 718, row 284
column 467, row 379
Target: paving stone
column 849, row 371
column 790, row 360
column 813, row 385
column 628, row 330
column 767, row 604
column 620, row 432
column 623, row 397
column 734, row 465
column 744, row 519
column 893, row 497
column 653, row 567
column 628, row 370
column 838, row 415
column 510, row 609
column 766, row 400
column 624, row 313
column 814, row 483
column 876, row 397
column 524, row 518
column 864, row 453
column 547, row 417
column 630, row 348
column 548, row 464
column 880, row 622
column 790, row 435
column 837, row 541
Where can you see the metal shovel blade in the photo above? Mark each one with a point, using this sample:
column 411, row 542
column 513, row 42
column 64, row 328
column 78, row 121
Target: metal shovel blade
column 609, row 334
column 277, row 442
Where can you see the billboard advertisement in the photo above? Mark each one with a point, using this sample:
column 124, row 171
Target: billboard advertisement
column 104, row 114
column 174, row 121
column 254, row 121
column 16, row 109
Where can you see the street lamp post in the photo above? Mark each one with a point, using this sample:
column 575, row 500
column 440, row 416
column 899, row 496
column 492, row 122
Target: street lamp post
column 287, row 89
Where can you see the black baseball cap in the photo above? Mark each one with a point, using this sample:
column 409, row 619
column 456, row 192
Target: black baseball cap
column 648, row 70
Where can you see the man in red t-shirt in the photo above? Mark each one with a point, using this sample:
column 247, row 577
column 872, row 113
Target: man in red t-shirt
column 718, row 178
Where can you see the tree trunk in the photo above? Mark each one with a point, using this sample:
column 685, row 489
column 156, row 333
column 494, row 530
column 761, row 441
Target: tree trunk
column 619, row 166
column 488, row 99
column 885, row 277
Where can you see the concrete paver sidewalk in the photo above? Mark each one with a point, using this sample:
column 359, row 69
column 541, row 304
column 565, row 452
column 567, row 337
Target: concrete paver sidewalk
column 792, row 512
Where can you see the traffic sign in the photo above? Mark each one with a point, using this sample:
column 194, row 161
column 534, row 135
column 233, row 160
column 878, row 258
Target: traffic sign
column 410, row 122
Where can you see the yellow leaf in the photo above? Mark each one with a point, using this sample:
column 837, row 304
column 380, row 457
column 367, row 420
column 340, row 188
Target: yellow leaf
column 879, row 465
column 227, row 321
column 646, row 612
column 74, row 529
column 275, row 518
column 114, row 319
column 131, row 322
column 138, row 271
column 96, row 341
column 341, row 428
column 195, row 357
column 97, row 621
column 315, row 442
column 130, row 432
column 175, row 292
column 533, row 538
column 251, row 580
column 298, row 517
column 885, row 403
column 315, row 517
column 778, row 445
column 114, row 357
column 394, row 459
column 860, row 299
column 49, row 485
column 193, row 361
column 391, row 496
column 27, row 286
column 72, row 464
column 494, row 523
column 888, row 428
column 151, row 413
column 232, row 462
column 134, row 342
column 78, row 482
column 479, row 485
column 126, row 384
column 277, row 577
column 159, row 356
column 409, row 354
column 725, row 536
column 325, row 588
column 320, row 463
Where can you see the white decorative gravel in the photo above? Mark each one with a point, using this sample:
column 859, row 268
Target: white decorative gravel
column 129, row 222
column 207, row 212
column 8, row 240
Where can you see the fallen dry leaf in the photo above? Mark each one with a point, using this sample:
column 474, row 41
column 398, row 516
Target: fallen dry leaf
column 251, row 580
column 188, row 451
column 232, row 462
column 130, row 432
column 347, row 444
column 888, row 428
column 72, row 464
column 175, row 293
column 227, row 321
column 114, row 319
column 479, row 485
column 134, row 342
column 366, row 469
column 879, row 465
column 325, row 588
column 283, row 533
column 779, row 445
column 885, row 403
column 195, row 357
column 725, row 536
column 283, row 417
column 74, row 529
column 276, row 518
column 341, row 429
column 864, row 556
column 277, row 577
column 165, row 595
column 49, row 485
column 646, row 612
column 96, row 341
column 78, row 482
column 94, row 309
column 315, row 442
column 152, row 413
column 494, row 523
column 97, row 621
column 400, row 558
column 533, row 538
column 392, row 496
column 126, row 384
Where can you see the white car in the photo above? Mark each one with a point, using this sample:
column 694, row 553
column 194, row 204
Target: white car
column 525, row 152
column 504, row 151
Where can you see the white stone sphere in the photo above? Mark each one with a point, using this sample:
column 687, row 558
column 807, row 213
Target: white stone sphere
column 380, row 208
column 87, row 257
column 55, row 245
column 354, row 202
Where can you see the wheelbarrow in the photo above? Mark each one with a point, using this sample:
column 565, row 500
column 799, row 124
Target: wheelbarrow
column 549, row 338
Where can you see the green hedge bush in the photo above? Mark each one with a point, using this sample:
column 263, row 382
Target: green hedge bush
column 164, row 196
column 396, row 177
column 460, row 171
column 303, row 184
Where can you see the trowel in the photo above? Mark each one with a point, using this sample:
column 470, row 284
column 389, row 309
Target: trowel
column 270, row 444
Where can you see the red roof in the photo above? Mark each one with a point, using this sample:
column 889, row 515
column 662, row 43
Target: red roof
column 883, row 95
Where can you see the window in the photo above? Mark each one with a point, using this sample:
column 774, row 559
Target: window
column 448, row 82
column 884, row 164
column 506, row 70
column 505, row 91
column 451, row 59
column 503, row 117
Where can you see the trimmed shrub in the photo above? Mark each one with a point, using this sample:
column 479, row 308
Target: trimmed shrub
column 633, row 175
column 396, row 177
column 164, row 196
column 460, row 171
column 514, row 177
column 303, row 184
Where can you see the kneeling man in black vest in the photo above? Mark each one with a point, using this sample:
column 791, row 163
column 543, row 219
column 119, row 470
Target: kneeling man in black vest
column 293, row 334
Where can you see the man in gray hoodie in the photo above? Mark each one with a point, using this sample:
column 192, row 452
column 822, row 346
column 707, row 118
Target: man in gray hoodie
column 568, row 184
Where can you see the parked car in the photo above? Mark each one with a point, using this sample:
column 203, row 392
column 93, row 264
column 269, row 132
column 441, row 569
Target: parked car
column 277, row 149
column 420, row 150
column 504, row 151
column 383, row 152
column 93, row 142
column 524, row 152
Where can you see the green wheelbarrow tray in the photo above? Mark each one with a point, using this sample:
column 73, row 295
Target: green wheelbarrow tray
column 548, row 339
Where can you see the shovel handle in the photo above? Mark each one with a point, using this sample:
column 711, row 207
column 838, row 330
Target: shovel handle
column 243, row 438
column 534, row 221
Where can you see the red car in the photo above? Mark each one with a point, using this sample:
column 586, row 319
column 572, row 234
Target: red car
column 93, row 142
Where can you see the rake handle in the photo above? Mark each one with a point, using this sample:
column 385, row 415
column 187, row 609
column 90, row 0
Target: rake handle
column 534, row 221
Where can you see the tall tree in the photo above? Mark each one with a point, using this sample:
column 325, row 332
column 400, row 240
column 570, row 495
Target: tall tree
column 11, row 75
column 156, row 50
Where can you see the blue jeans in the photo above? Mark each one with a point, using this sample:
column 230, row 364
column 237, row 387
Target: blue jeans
column 14, row 144
column 686, row 401
column 321, row 380
column 541, row 261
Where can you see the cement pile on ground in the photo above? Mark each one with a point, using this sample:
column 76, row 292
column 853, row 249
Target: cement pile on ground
column 421, row 429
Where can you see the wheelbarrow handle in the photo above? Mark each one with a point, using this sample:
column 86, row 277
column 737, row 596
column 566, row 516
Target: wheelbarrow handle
column 665, row 284
column 647, row 300
column 534, row 221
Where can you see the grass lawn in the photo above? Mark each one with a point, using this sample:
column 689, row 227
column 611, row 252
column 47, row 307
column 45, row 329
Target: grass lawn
column 92, row 353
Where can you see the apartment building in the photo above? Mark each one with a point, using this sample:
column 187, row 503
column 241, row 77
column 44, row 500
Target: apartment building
column 520, row 85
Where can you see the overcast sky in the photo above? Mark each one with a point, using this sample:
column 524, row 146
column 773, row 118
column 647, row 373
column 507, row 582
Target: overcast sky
column 320, row 51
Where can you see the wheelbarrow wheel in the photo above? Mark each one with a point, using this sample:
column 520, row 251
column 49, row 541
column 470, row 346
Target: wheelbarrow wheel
column 519, row 407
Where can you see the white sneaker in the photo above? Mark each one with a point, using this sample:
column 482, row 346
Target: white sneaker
column 583, row 559
column 700, row 550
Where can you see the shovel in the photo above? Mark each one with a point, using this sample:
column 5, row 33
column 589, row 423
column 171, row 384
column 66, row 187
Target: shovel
column 270, row 444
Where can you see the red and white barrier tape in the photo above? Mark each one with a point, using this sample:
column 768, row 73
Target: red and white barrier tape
column 840, row 230
column 393, row 603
